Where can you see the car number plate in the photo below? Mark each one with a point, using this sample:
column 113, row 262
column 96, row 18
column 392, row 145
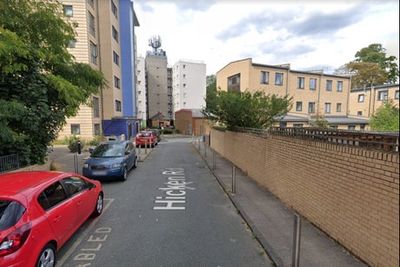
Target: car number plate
column 99, row 172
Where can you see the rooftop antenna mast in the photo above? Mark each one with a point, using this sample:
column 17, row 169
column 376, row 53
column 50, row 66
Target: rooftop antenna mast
column 155, row 43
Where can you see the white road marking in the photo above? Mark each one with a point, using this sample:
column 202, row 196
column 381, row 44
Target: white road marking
column 71, row 250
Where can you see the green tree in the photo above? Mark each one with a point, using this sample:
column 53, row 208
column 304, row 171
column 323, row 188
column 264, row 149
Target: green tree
column 320, row 122
column 40, row 82
column 211, row 90
column 386, row 118
column 244, row 109
column 366, row 74
column 376, row 53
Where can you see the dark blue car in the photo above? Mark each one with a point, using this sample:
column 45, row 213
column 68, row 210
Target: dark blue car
column 111, row 160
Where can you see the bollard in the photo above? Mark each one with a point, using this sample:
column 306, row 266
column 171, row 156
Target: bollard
column 214, row 159
column 233, row 179
column 145, row 146
column 76, row 163
column 79, row 147
column 198, row 143
column 205, row 150
column 296, row 241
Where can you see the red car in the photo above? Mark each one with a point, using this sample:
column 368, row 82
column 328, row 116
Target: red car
column 146, row 137
column 39, row 212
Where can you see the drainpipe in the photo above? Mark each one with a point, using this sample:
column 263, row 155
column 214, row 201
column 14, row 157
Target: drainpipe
column 348, row 98
column 100, row 64
column 319, row 94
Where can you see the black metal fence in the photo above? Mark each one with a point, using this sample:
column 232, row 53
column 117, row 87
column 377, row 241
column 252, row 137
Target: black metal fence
column 9, row 163
column 382, row 141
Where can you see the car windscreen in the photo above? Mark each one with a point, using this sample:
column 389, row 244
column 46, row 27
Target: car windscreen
column 147, row 134
column 108, row 151
column 10, row 213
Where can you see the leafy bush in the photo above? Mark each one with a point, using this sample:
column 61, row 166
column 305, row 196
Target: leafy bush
column 73, row 144
column 96, row 140
column 386, row 118
column 168, row 131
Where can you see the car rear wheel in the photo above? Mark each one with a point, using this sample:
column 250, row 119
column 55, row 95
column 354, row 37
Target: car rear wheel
column 47, row 257
column 98, row 209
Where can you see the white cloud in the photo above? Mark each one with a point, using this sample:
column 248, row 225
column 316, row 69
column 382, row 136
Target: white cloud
column 305, row 34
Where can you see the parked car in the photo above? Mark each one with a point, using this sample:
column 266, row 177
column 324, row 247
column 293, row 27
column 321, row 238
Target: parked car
column 39, row 212
column 111, row 160
column 157, row 132
column 146, row 137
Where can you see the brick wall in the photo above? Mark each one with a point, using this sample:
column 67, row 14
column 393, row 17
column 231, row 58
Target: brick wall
column 350, row 193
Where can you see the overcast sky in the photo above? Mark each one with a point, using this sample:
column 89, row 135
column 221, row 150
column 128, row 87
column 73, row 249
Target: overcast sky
column 310, row 34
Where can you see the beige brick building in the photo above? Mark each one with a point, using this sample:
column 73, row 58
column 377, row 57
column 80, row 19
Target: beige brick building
column 90, row 32
column 364, row 102
column 314, row 93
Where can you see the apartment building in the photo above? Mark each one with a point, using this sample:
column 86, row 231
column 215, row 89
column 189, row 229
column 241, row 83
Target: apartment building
column 189, row 85
column 99, row 35
column 157, row 88
column 314, row 94
column 170, row 114
column 365, row 101
column 84, row 48
column 141, row 96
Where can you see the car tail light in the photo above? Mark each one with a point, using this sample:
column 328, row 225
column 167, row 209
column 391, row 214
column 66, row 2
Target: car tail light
column 14, row 240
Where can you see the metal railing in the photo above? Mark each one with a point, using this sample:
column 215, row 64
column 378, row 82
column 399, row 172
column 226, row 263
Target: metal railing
column 9, row 163
column 382, row 141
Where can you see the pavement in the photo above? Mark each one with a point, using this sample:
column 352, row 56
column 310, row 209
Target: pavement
column 272, row 222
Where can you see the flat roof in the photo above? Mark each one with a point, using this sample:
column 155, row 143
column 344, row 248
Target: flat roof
column 382, row 86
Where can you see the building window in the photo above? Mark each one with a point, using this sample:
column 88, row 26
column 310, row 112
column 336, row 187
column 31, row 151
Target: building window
column 362, row 127
column 234, row 83
column 396, row 95
column 71, row 43
column 96, row 129
column 327, row 107
column 329, row 85
column 339, row 86
column 297, row 125
column 264, row 77
column 382, row 95
column 93, row 53
column 278, row 78
column 311, row 107
column 184, row 66
column 75, row 129
column 361, row 98
column 359, row 113
column 96, row 107
column 117, row 82
column 114, row 33
column 299, row 106
column 300, row 82
column 118, row 105
column 351, row 127
column 313, row 84
column 92, row 25
column 115, row 58
column 339, row 107
column 114, row 9
column 68, row 10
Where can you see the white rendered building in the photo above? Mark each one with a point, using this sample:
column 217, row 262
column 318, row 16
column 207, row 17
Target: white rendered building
column 141, row 90
column 189, row 85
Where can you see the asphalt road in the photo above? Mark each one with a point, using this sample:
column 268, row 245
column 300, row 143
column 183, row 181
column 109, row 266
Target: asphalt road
column 170, row 212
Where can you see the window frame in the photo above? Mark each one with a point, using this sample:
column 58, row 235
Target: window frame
column 276, row 78
column 96, row 107
column 93, row 53
column 339, row 89
column 79, row 128
column 386, row 95
column 264, row 77
column 65, row 8
column 91, row 24
column 301, row 82
column 297, row 106
column 67, row 190
column 50, row 207
column 362, row 97
column 118, row 105
column 338, row 107
column 328, row 104
column 315, row 88
column 329, row 88
column 313, row 105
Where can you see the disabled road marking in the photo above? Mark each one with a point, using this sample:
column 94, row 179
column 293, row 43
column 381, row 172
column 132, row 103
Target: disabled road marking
column 72, row 249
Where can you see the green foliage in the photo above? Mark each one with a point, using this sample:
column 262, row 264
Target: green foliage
column 371, row 67
column 211, row 90
column 40, row 83
column 375, row 53
column 319, row 122
column 386, row 118
column 73, row 143
column 96, row 140
column 244, row 109
column 366, row 74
